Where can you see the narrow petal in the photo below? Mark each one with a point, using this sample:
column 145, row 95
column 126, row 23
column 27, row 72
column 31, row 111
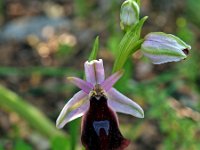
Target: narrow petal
column 83, row 85
column 120, row 103
column 74, row 108
column 110, row 81
column 94, row 71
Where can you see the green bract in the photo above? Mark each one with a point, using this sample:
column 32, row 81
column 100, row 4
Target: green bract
column 129, row 14
column 161, row 48
column 129, row 44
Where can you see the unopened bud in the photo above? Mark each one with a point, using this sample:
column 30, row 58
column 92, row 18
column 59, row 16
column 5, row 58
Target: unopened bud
column 162, row 48
column 129, row 14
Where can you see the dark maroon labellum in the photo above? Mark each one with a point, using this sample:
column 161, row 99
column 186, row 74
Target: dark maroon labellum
column 100, row 127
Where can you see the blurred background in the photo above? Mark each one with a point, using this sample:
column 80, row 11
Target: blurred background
column 44, row 41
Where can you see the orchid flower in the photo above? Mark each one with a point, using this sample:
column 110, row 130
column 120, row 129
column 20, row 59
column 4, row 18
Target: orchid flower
column 98, row 102
column 161, row 48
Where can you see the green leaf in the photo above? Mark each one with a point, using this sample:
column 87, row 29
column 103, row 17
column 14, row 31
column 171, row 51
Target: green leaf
column 60, row 143
column 137, row 46
column 121, row 84
column 138, row 2
column 21, row 145
column 31, row 114
column 128, row 45
column 74, row 132
column 1, row 147
column 93, row 54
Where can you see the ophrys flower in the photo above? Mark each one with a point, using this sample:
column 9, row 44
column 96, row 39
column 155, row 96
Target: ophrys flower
column 98, row 103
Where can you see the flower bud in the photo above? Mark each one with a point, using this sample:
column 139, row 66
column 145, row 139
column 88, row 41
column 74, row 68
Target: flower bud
column 129, row 14
column 162, row 48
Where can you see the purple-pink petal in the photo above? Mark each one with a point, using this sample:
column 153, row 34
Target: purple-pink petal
column 120, row 103
column 83, row 85
column 94, row 71
column 110, row 81
column 74, row 108
column 76, row 113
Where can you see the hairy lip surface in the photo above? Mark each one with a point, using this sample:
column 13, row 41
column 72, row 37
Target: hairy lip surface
column 100, row 127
